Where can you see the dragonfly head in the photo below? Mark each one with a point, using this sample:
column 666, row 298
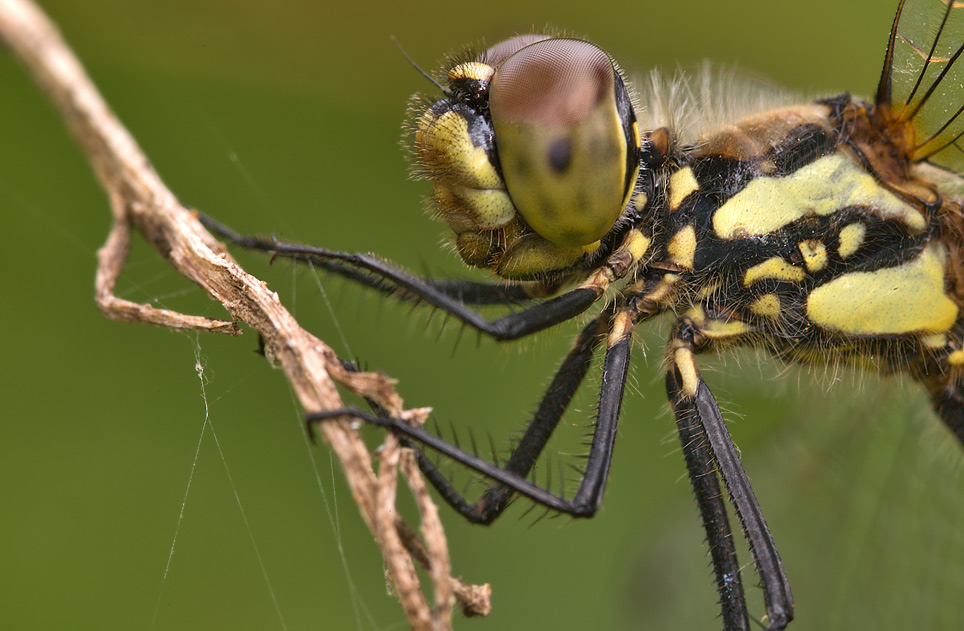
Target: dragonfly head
column 534, row 153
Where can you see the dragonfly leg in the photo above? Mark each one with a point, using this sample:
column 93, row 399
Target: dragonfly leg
column 694, row 403
column 455, row 297
column 512, row 479
column 709, row 498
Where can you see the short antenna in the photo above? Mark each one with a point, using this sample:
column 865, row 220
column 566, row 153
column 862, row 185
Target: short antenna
column 438, row 85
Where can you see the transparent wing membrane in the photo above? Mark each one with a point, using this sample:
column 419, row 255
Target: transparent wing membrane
column 922, row 79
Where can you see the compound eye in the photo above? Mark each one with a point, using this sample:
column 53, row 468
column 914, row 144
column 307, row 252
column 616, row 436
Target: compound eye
column 496, row 55
column 561, row 138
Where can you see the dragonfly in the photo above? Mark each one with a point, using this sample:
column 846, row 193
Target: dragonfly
column 823, row 232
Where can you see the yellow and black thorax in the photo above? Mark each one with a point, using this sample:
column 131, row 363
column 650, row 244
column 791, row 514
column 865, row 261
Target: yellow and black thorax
column 795, row 223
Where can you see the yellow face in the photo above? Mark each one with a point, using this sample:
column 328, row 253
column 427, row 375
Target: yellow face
column 533, row 154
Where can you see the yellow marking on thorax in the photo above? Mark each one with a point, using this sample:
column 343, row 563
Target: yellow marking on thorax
column 851, row 238
column 682, row 247
column 708, row 290
column 696, row 314
column 720, row 330
column 892, row 300
column 767, row 305
column 620, row 262
column 821, row 188
column 681, row 185
column 938, row 340
column 776, row 268
column 814, row 254
column 637, row 244
column 956, row 358
column 640, row 200
column 661, row 294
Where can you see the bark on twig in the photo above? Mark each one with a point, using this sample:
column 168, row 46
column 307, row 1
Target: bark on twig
column 141, row 201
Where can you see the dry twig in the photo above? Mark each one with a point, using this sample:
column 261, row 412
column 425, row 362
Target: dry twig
column 141, row 201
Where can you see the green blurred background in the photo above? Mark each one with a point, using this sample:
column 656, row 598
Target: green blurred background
column 283, row 117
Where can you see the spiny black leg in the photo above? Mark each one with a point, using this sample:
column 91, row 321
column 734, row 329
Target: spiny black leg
column 508, row 327
column 419, row 435
column 693, row 390
column 445, row 296
column 465, row 291
column 525, row 453
column 709, row 498
column 449, row 296
column 614, row 371
column 589, row 495
column 776, row 586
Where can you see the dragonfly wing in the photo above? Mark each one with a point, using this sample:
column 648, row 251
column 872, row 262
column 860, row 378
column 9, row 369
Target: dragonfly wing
column 922, row 85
